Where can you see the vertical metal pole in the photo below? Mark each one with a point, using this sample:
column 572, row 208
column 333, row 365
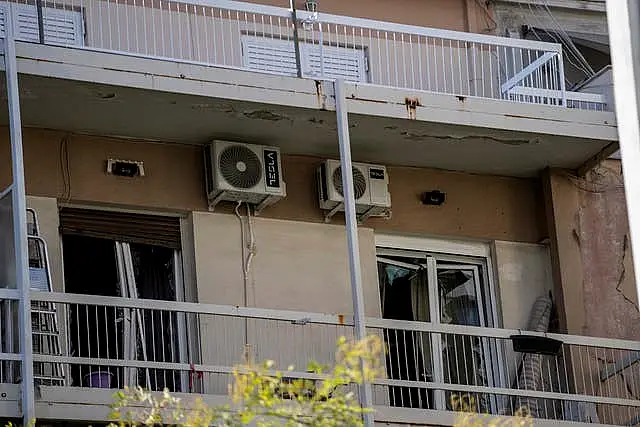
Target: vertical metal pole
column 20, row 226
column 366, row 394
column 40, row 21
column 624, row 35
column 296, row 40
column 563, row 82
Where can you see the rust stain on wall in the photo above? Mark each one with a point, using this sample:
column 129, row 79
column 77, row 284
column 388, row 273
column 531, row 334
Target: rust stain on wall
column 412, row 104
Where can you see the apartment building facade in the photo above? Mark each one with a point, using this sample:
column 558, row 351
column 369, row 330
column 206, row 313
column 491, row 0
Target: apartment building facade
column 472, row 151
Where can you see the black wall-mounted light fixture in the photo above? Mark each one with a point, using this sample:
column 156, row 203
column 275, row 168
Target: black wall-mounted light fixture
column 433, row 198
column 128, row 168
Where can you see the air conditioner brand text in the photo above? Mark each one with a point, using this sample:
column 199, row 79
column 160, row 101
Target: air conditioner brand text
column 272, row 173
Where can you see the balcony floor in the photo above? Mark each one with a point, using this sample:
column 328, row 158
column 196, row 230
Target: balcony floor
column 118, row 95
column 75, row 404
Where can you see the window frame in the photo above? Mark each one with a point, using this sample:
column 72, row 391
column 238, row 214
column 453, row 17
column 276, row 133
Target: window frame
column 438, row 252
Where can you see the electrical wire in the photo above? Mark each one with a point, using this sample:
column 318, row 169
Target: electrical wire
column 248, row 246
column 252, row 242
column 245, row 276
column 568, row 38
column 567, row 42
column 554, row 36
column 492, row 24
column 573, row 56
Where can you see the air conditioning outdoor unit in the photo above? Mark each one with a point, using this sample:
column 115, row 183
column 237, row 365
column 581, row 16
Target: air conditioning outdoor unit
column 237, row 172
column 371, row 189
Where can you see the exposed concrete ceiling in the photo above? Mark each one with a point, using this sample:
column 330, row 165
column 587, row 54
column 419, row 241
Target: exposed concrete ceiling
column 146, row 114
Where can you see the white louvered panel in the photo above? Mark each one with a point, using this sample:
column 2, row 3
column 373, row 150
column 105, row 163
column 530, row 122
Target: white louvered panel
column 63, row 27
column 278, row 56
column 275, row 56
column 60, row 26
column 25, row 21
column 338, row 62
column 3, row 19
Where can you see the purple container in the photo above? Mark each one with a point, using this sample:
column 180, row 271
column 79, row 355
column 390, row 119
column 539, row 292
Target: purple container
column 98, row 379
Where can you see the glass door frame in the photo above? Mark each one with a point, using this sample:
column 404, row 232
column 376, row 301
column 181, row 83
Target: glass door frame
column 437, row 254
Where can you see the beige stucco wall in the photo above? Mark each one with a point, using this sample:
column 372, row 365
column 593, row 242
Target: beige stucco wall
column 460, row 15
column 297, row 266
column 300, row 262
column 478, row 206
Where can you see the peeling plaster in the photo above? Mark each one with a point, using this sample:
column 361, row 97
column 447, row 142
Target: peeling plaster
column 610, row 304
column 412, row 104
column 413, row 136
column 266, row 115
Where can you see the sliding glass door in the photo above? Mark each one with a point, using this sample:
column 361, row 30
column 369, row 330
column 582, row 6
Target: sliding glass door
column 129, row 256
column 436, row 288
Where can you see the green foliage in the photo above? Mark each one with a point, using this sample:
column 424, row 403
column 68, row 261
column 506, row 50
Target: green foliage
column 262, row 395
column 466, row 406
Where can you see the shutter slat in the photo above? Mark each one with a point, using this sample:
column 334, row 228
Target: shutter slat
column 337, row 62
column 60, row 26
column 3, row 19
column 277, row 56
column 133, row 228
column 261, row 53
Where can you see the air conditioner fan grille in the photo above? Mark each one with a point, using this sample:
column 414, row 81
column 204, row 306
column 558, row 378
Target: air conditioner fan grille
column 240, row 166
column 359, row 182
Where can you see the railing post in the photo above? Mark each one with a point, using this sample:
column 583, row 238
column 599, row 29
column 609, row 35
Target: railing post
column 20, row 226
column 366, row 394
column 563, row 84
column 296, row 40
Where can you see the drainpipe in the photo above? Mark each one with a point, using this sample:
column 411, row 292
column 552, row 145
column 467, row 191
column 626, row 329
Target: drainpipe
column 366, row 394
column 624, row 35
column 18, row 195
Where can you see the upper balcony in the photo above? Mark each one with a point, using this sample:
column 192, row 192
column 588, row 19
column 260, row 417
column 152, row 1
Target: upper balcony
column 229, row 69
column 319, row 46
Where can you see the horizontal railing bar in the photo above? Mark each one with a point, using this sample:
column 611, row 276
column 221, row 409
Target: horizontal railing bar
column 500, row 333
column 303, row 318
column 15, row 357
column 550, row 93
column 9, row 294
column 240, row 7
column 431, row 32
column 311, row 376
column 300, row 318
column 510, row 392
column 174, row 366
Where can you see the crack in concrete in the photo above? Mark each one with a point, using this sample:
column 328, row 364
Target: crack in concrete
column 488, row 138
column 625, row 246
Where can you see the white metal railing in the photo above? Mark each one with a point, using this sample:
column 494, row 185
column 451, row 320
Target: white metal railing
column 586, row 380
column 263, row 38
column 112, row 342
column 10, row 355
